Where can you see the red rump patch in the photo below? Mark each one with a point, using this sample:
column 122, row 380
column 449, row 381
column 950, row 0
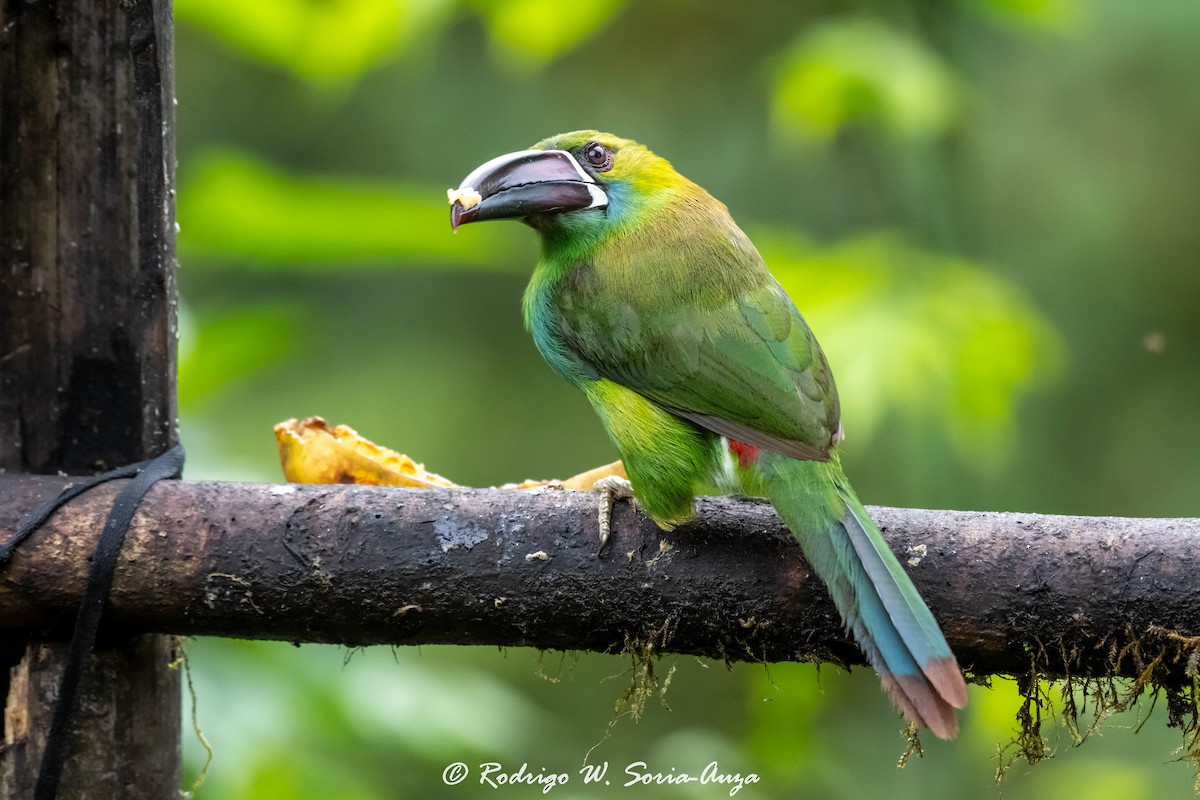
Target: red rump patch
column 746, row 454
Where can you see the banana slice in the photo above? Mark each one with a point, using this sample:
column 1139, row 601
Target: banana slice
column 465, row 196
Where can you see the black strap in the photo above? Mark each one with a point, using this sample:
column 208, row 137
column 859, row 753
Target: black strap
column 100, row 577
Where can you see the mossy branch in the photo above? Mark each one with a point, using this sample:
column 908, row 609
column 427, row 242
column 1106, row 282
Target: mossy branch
column 1085, row 597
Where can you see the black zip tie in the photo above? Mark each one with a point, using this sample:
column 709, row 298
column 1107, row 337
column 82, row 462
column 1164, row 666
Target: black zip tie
column 95, row 595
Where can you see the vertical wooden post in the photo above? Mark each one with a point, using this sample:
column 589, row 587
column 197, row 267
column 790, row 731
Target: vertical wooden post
column 87, row 343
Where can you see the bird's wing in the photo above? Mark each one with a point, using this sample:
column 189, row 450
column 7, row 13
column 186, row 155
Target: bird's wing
column 745, row 366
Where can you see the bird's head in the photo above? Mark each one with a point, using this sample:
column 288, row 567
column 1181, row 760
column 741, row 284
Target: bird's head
column 585, row 182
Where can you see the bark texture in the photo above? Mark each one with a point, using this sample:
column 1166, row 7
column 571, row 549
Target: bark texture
column 87, row 234
column 87, row 341
column 357, row 565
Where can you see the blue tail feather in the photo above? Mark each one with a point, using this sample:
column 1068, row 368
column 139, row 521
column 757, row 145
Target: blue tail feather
column 877, row 601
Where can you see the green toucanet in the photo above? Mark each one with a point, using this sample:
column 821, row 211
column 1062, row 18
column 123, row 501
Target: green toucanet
column 650, row 299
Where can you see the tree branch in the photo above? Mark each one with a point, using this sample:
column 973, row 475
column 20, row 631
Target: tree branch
column 357, row 565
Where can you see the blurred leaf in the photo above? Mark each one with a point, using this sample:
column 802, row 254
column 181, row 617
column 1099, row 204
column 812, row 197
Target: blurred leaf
column 232, row 206
column 1052, row 14
column 934, row 336
column 224, row 348
column 275, row 775
column 855, row 70
column 319, row 722
column 534, row 32
column 785, row 707
column 323, row 41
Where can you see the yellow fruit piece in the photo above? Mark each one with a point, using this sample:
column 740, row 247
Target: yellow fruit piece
column 582, row 482
column 466, row 197
column 313, row 452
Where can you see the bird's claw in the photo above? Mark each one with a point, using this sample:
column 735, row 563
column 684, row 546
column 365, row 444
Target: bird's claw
column 611, row 488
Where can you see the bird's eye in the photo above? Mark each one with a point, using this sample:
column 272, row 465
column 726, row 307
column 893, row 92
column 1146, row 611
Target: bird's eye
column 599, row 156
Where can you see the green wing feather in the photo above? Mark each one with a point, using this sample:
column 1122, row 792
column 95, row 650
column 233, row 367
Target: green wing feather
column 735, row 358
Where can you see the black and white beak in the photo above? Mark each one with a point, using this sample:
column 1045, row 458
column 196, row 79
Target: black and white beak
column 524, row 184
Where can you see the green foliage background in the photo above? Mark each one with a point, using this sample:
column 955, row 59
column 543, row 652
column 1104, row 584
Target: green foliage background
column 987, row 209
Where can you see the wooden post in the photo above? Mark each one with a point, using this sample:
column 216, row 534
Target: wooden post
column 87, row 343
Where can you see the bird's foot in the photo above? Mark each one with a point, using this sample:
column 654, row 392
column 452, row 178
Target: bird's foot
column 611, row 489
